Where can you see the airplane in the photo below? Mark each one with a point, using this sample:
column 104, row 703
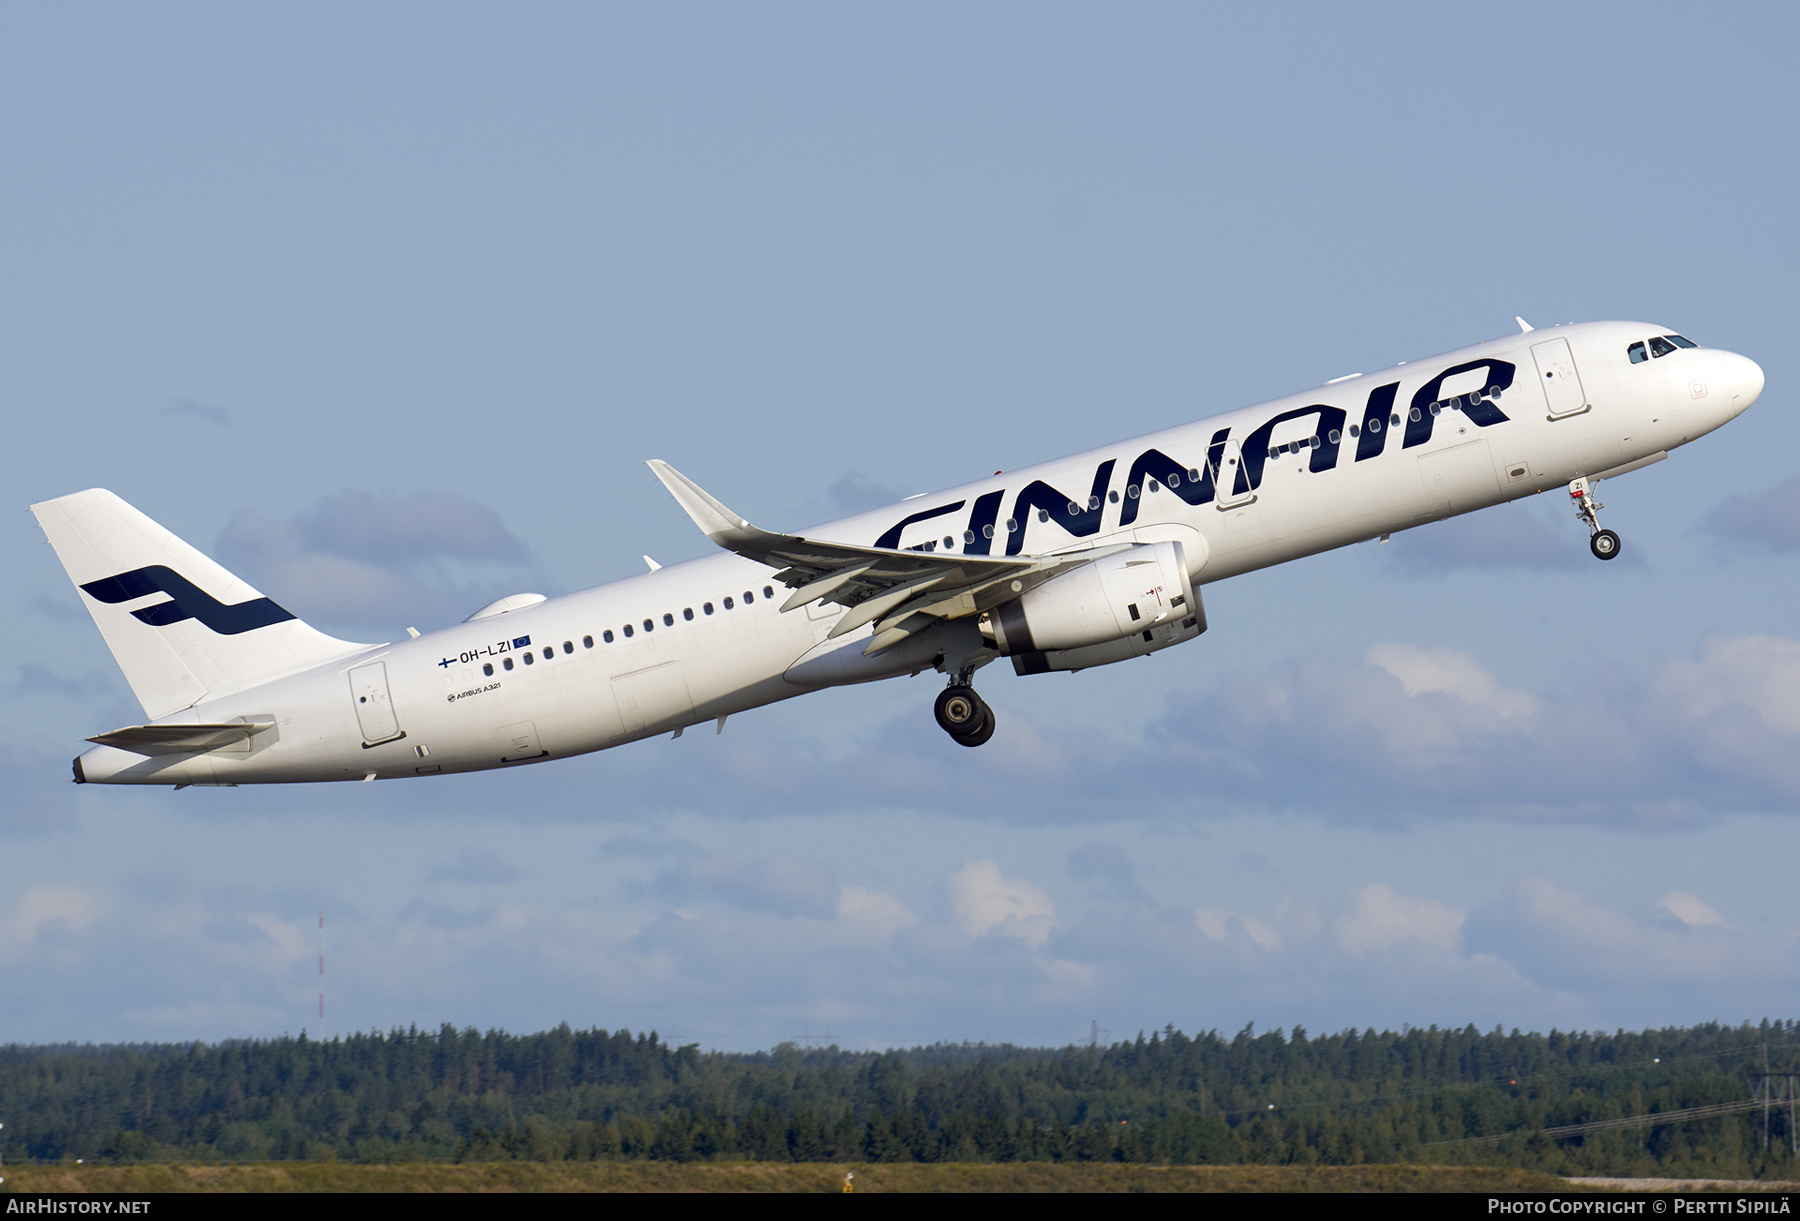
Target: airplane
column 1086, row 561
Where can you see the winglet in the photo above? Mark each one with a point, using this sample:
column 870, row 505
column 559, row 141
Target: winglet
column 717, row 522
column 1525, row 328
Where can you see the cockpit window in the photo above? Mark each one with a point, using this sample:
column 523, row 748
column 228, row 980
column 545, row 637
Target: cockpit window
column 1681, row 341
column 1661, row 347
column 1637, row 353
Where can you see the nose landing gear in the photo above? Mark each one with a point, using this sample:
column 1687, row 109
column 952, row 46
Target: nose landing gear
column 1603, row 543
column 964, row 715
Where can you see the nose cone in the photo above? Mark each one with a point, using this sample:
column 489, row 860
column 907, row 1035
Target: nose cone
column 1745, row 377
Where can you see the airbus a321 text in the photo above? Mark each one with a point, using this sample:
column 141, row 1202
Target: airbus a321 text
column 1082, row 562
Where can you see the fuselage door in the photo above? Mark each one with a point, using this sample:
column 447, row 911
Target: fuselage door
column 374, row 706
column 1231, row 482
column 1558, row 377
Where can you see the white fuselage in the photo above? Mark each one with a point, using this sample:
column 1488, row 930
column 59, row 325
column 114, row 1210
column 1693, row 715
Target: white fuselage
column 707, row 638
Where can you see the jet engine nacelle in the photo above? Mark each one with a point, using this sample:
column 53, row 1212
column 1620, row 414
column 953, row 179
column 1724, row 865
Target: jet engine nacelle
column 1121, row 605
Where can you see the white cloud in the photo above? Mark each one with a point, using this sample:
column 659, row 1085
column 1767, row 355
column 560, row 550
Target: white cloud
column 986, row 903
column 1758, row 673
column 1569, row 915
column 1425, row 670
column 878, row 916
column 1689, row 909
column 372, row 559
column 288, row 940
column 782, row 885
column 1002, row 960
column 1379, row 918
column 1559, row 936
column 1770, row 518
column 1505, row 536
column 43, row 907
column 1216, row 923
column 1262, row 932
column 477, row 865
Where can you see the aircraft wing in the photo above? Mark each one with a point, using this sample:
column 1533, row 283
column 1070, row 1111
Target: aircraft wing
column 900, row 591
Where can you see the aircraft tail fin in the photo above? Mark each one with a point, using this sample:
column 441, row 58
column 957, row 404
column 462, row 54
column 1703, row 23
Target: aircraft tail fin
column 182, row 628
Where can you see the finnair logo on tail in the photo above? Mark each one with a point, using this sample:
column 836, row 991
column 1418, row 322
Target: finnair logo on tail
column 186, row 601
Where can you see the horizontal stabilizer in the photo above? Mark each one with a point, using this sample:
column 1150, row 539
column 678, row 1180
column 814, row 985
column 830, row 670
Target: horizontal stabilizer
column 180, row 739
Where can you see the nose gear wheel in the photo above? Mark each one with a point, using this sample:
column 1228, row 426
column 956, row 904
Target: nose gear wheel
column 1603, row 543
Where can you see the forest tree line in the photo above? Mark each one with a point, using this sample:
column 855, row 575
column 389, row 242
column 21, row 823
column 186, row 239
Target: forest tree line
column 1277, row 1097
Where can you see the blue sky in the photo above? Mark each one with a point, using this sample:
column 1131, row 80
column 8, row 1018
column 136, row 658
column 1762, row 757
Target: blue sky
column 385, row 308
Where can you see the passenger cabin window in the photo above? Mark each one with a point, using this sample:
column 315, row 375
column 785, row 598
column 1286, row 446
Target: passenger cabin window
column 749, row 597
column 506, row 663
column 1661, row 347
column 706, row 607
column 768, row 591
column 487, row 668
column 607, row 636
column 568, row 646
column 649, row 625
column 1638, row 353
column 728, row 604
column 549, row 653
column 668, row 619
column 530, row 657
column 587, row 642
column 687, row 612
column 627, row 631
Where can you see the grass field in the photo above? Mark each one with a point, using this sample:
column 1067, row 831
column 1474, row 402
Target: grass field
column 764, row 1176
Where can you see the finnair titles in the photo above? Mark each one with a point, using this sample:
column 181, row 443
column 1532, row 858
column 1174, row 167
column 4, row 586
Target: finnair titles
column 1087, row 561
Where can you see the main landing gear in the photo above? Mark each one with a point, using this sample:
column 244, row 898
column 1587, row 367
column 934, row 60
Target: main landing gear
column 964, row 715
column 1603, row 543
